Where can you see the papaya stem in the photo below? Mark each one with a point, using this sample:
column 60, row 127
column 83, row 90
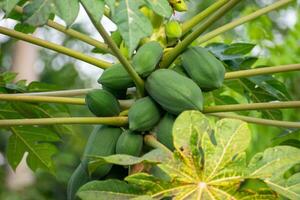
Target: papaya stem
column 181, row 46
column 59, row 93
column 191, row 23
column 125, row 104
column 73, row 33
column 55, row 47
column 151, row 141
column 125, row 63
column 242, row 20
column 252, row 106
column 112, row 121
column 268, row 122
column 261, row 71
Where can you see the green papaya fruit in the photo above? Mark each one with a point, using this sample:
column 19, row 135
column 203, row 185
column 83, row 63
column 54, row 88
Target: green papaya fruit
column 124, row 50
column 173, row 29
column 155, row 19
column 204, row 68
column 119, row 94
column 174, row 92
column 116, row 77
column 143, row 115
column 102, row 103
column 179, row 69
column 102, row 142
column 164, row 131
column 130, row 143
column 147, row 57
column 178, row 5
column 79, row 177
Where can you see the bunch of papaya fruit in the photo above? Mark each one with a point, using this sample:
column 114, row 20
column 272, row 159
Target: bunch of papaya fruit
column 168, row 93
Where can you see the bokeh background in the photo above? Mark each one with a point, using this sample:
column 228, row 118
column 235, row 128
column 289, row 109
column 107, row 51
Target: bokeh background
column 277, row 39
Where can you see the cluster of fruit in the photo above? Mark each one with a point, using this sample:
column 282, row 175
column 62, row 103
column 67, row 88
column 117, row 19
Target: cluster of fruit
column 170, row 92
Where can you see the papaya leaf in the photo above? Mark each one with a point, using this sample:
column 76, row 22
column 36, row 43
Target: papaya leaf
column 95, row 7
column 9, row 5
column 239, row 49
column 108, row 189
column 36, row 141
column 161, row 7
column 154, row 156
column 67, row 10
column 289, row 188
column 132, row 24
column 37, row 12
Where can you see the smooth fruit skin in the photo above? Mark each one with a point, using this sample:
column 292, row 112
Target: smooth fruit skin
column 102, row 103
column 143, row 115
column 102, row 142
column 174, row 92
column 130, row 143
column 173, row 29
column 116, row 77
column 164, row 130
column 147, row 57
column 204, row 68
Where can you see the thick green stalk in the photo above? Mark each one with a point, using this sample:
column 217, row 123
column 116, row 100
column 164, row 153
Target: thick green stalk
column 151, row 141
column 112, row 121
column 191, row 23
column 181, row 46
column 125, row 104
column 74, row 33
column 55, row 47
column 261, row 71
column 243, row 20
column 268, row 122
column 125, row 63
column 252, row 106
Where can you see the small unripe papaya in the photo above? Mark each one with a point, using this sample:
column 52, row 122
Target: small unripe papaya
column 102, row 103
column 180, row 6
column 116, row 77
column 147, row 57
column 204, row 68
column 164, row 130
column 143, row 115
column 174, row 92
column 173, row 29
column 130, row 143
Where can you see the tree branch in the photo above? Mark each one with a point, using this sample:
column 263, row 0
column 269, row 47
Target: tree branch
column 112, row 121
column 55, row 47
column 191, row 23
column 268, row 122
column 180, row 47
column 125, row 63
column 243, row 20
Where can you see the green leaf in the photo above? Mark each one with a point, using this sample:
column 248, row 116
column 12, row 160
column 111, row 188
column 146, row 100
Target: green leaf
column 37, row 142
column 94, row 7
column 274, row 162
column 67, row 10
column 161, row 7
column 239, row 49
column 24, row 28
column 154, row 156
column 108, row 189
column 132, row 24
column 289, row 188
column 9, row 5
column 37, row 12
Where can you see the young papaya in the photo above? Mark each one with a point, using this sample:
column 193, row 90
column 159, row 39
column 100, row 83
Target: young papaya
column 179, row 5
column 173, row 29
column 143, row 115
column 164, row 130
column 130, row 143
column 119, row 94
column 174, row 92
column 124, row 50
column 155, row 19
column 79, row 177
column 117, row 38
column 116, row 77
column 204, row 68
column 147, row 57
column 102, row 103
column 102, row 142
